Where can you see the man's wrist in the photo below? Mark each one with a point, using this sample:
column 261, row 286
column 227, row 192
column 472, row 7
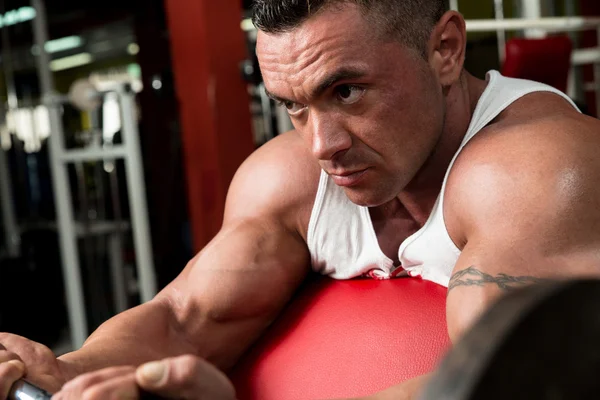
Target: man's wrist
column 69, row 367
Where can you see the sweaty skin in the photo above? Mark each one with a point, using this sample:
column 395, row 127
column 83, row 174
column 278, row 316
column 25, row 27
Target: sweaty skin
column 522, row 203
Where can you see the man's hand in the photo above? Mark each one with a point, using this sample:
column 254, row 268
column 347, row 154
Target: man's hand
column 21, row 357
column 11, row 369
column 185, row 378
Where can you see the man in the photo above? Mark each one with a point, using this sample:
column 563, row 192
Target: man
column 381, row 103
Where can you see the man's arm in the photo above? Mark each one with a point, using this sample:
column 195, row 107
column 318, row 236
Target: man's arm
column 523, row 209
column 230, row 292
column 220, row 303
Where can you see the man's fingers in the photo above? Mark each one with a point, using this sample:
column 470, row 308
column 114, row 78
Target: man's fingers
column 153, row 375
column 10, row 372
column 180, row 377
column 120, row 388
column 75, row 388
column 7, row 356
column 185, row 377
column 11, row 369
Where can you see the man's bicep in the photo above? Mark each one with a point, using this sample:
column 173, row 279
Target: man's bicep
column 230, row 292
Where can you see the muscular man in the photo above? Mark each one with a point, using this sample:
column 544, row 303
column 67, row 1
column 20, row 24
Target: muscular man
column 400, row 161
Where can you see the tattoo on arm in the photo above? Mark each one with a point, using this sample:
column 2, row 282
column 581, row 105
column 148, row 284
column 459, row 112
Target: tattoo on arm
column 474, row 277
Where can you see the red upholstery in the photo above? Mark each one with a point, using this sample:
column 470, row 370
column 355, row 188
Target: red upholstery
column 345, row 339
column 543, row 60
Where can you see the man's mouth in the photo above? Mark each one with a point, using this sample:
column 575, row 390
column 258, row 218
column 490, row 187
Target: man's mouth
column 348, row 178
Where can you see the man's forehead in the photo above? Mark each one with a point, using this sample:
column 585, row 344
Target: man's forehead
column 290, row 63
column 337, row 25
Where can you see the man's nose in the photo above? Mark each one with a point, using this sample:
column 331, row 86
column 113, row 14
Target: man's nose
column 328, row 138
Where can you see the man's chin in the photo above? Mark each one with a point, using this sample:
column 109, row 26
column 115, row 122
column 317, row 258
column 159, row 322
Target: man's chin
column 365, row 198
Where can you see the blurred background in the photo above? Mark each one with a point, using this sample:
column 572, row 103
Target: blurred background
column 122, row 123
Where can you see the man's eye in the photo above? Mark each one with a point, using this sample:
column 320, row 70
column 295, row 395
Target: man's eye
column 291, row 107
column 349, row 94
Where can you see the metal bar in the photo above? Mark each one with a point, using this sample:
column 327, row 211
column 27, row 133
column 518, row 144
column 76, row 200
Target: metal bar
column 115, row 254
column 454, row 5
column 62, row 190
column 115, row 244
column 93, row 154
column 12, row 239
column 137, row 198
column 11, row 229
column 9, row 78
column 575, row 88
column 532, row 9
column 572, row 81
column 549, row 24
column 267, row 112
column 500, row 33
column 284, row 123
column 585, row 56
column 100, row 228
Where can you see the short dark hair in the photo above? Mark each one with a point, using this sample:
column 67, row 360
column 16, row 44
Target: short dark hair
column 411, row 21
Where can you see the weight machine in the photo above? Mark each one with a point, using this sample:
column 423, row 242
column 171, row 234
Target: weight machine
column 64, row 158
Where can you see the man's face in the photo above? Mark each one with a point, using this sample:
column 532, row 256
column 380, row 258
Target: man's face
column 370, row 110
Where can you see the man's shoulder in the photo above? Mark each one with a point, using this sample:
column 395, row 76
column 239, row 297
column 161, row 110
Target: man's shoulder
column 279, row 179
column 540, row 154
column 529, row 133
column 286, row 162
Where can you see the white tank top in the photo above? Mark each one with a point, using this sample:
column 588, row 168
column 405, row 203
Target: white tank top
column 341, row 237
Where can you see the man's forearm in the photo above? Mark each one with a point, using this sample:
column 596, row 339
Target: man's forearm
column 144, row 333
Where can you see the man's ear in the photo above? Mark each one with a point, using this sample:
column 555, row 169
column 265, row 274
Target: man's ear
column 447, row 46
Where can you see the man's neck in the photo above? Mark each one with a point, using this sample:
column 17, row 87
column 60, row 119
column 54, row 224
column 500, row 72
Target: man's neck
column 461, row 99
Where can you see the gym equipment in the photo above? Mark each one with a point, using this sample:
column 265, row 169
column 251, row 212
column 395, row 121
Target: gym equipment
column 546, row 60
column 61, row 157
column 340, row 339
column 7, row 208
column 23, row 390
column 355, row 338
column 536, row 343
